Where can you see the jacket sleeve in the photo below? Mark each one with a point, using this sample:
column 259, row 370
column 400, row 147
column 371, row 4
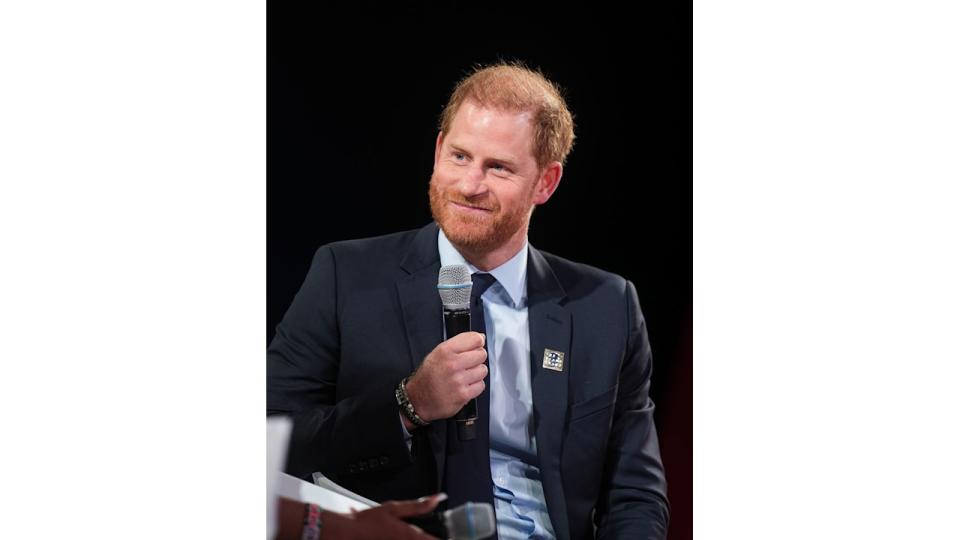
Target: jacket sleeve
column 357, row 434
column 633, row 499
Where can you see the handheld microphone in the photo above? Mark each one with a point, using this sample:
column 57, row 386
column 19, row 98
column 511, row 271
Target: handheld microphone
column 455, row 286
column 470, row 521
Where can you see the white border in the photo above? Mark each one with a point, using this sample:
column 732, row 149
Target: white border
column 132, row 211
column 826, row 270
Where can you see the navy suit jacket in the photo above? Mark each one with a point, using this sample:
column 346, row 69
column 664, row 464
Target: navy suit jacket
column 368, row 313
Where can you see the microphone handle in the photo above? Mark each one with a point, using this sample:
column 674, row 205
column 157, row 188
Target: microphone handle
column 458, row 322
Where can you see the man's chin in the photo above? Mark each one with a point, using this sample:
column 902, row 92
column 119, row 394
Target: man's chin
column 470, row 235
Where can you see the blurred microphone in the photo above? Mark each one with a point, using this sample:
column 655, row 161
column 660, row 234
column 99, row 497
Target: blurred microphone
column 471, row 521
column 455, row 286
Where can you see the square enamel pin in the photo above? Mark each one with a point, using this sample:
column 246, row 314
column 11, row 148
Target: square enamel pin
column 553, row 359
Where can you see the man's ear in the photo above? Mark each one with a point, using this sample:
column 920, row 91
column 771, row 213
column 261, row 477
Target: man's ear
column 436, row 151
column 548, row 182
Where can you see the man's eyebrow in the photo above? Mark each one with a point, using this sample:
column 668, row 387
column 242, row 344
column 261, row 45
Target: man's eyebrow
column 458, row 150
column 504, row 161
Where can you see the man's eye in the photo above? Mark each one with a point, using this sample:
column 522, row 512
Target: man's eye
column 458, row 156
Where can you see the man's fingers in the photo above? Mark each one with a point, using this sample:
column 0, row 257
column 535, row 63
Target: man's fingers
column 476, row 373
column 466, row 341
column 470, row 359
column 475, row 389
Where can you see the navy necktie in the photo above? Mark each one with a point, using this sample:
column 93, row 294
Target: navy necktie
column 467, row 475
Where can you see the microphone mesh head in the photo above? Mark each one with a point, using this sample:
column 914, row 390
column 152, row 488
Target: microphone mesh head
column 454, row 286
column 472, row 521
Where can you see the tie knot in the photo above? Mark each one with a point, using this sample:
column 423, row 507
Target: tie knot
column 481, row 282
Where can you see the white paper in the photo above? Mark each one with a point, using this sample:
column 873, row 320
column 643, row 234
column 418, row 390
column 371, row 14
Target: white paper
column 278, row 437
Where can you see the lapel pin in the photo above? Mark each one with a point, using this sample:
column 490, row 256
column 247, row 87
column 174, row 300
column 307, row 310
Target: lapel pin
column 553, row 359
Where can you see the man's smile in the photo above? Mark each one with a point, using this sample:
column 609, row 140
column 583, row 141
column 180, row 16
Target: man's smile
column 470, row 209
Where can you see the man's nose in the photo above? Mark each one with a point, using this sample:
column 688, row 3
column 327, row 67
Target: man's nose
column 472, row 183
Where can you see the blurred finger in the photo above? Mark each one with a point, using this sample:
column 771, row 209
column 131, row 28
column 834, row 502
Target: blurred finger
column 418, row 507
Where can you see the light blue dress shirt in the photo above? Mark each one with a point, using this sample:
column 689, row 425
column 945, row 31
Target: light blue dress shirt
column 514, row 466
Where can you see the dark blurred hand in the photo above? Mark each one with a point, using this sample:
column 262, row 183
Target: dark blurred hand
column 379, row 523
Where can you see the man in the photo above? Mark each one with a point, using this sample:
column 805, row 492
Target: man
column 560, row 367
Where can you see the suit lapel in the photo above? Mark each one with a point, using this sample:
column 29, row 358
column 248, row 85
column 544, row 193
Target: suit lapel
column 550, row 328
column 423, row 317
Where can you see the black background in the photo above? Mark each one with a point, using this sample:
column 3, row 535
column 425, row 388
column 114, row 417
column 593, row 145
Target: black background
column 354, row 91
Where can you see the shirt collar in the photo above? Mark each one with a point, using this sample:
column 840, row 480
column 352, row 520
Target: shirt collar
column 512, row 275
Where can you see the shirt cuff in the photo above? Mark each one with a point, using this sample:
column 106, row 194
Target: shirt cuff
column 407, row 437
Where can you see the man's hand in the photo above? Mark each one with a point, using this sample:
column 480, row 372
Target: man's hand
column 384, row 521
column 450, row 376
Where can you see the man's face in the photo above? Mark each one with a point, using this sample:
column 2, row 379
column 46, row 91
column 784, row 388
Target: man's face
column 485, row 178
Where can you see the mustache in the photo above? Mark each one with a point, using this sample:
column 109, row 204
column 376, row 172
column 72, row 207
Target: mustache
column 471, row 204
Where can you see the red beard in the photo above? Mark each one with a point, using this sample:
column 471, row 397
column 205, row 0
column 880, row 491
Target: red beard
column 479, row 233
